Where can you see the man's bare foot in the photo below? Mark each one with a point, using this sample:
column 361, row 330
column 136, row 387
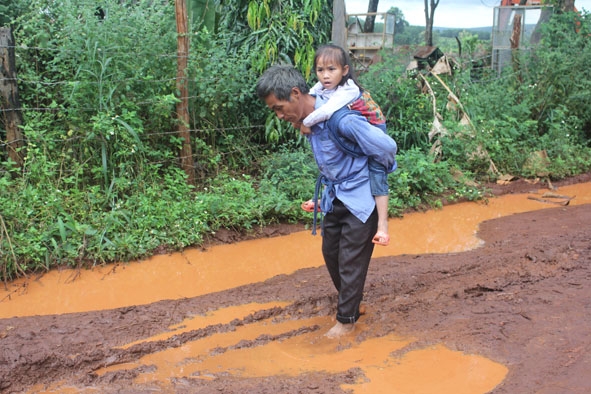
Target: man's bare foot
column 340, row 329
column 362, row 309
column 381, row 238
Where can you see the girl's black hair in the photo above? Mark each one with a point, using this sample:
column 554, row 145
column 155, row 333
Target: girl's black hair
column 339, row 56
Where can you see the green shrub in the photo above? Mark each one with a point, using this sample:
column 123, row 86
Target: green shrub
column 421, row 180
column 288, row 179
column 408, row 111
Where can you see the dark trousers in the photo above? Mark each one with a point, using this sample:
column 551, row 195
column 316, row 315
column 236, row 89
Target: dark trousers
column 347, row 247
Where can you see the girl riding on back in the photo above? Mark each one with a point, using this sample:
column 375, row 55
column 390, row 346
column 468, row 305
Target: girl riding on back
column 337, row 83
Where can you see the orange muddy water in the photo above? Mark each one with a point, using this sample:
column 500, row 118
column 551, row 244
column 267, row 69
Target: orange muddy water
column 390, row 364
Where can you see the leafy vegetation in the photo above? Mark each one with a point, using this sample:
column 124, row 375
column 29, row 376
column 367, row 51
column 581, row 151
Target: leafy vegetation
column 101, row 180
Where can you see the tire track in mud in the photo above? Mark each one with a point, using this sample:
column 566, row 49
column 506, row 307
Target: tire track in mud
column 86, row 349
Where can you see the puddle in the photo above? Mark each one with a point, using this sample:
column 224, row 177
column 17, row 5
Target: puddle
column 417, row 371
column 195, row 272
column 389, row 364
column 385, row 365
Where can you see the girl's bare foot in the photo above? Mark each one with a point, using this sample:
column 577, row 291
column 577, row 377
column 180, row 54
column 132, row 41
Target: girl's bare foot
column 340, row 329
column 308, row 206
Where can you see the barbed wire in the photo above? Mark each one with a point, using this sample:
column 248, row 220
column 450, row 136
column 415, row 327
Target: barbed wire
column 150, row 134
column 195, row 157
column 195, row 132
column 44, row 83
column 102, row 49
column 87, row 109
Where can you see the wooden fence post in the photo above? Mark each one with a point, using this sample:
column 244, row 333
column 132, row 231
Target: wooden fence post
column 10, row 105
column 182, row 107
column 339, row 28
column 515, row 41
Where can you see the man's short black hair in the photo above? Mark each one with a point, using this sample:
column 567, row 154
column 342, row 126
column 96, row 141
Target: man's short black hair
column 279, row 80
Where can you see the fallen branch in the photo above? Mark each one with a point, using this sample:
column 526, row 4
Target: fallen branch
column 17, row 266
column 554, row 195
column 563, row 203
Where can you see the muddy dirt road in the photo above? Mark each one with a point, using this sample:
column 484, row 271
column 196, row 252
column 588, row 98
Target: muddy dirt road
column 523, row 300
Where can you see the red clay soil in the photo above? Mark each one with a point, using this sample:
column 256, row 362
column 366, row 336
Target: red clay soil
column 523, row 300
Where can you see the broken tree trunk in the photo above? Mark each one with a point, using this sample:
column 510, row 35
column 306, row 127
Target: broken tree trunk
column 515, row 41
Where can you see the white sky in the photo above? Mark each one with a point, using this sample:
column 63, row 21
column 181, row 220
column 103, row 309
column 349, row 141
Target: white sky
column 449, row 13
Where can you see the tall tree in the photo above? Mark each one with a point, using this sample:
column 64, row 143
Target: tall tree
column 400, row 23
column 370, row 21
column 566, row 5
column 430, row 6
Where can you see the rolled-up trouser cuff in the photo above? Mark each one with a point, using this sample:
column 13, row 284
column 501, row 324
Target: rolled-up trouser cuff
column 347, row 320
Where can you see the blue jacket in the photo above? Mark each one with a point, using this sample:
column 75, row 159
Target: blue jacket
column 346, row 176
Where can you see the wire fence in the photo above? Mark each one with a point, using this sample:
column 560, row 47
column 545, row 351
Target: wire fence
column 36, row 83
column 22, row 81
column 194, row 132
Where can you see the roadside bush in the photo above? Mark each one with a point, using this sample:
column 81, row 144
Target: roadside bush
column 227, row 117
column 45, row 226
column 421, row 180
column 558, row 71
column 288, row 179
column 408, row 111
column 536, row 110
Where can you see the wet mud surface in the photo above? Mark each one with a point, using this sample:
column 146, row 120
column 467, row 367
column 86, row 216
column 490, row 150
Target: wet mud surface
column 523, row 300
